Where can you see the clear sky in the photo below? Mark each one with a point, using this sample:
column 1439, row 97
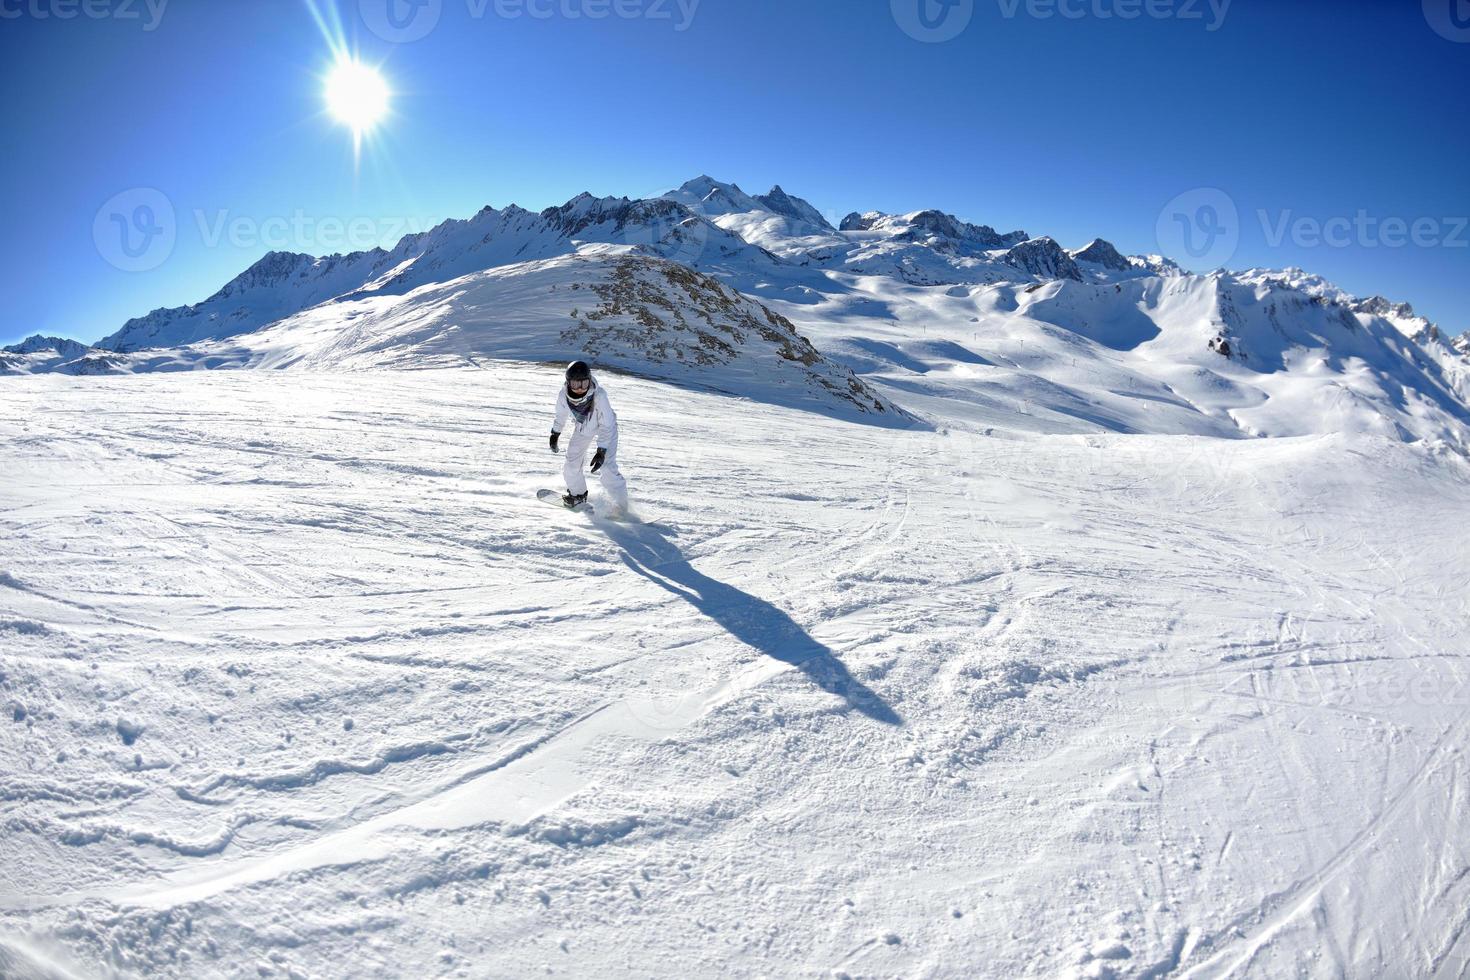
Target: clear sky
column 1063, row 117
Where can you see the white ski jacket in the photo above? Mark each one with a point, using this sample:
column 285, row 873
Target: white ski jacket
column 600, row 419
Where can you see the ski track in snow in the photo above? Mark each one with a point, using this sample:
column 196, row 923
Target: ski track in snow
column 299, row 679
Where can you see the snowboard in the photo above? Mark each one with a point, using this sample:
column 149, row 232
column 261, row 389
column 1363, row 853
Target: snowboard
column 554, row 498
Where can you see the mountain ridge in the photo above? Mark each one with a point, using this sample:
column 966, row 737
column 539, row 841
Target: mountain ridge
column 676, row 225
column 1011, row 313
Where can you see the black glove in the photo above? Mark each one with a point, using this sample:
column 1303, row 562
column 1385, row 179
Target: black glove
column 554, row 436
column 598, row 458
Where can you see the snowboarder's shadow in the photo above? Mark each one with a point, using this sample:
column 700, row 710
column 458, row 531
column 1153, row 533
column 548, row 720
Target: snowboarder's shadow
column 753, row 621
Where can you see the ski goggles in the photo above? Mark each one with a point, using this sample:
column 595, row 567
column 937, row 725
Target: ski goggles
column 579, row 387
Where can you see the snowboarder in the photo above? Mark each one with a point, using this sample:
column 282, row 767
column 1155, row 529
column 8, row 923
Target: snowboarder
column 585, row 403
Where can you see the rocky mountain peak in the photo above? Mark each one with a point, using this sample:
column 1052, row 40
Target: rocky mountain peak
column 1102, row 253
column 1045, row 258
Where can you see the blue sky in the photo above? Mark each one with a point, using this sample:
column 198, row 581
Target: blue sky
column 1058, row 116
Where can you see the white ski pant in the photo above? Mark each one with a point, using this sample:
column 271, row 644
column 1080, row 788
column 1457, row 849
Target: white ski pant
column 576, row 467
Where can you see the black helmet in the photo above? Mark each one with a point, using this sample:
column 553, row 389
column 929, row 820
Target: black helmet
column 579, row 375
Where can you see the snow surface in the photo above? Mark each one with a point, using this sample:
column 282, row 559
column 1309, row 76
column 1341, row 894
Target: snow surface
column 301, row 680
column 988, row 609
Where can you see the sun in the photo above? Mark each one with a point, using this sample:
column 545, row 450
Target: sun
column 357, row 95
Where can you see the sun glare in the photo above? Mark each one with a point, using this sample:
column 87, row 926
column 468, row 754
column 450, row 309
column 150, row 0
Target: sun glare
column 356, row 95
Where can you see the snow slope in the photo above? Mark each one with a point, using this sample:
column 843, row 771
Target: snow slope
column 995, row 609
column 318, row 688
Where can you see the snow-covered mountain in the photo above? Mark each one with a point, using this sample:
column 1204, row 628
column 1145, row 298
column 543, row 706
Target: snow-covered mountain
column 714, row 198
column 40, row 354
column 283, row 283
column 920, row 305
column 37, row 344
column 779, row 202
column 1104, row 254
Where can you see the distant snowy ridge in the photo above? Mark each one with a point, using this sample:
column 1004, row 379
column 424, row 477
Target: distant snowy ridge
column 37, row 344
column 921, row 305
column 933, row 227
column 714, row 198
